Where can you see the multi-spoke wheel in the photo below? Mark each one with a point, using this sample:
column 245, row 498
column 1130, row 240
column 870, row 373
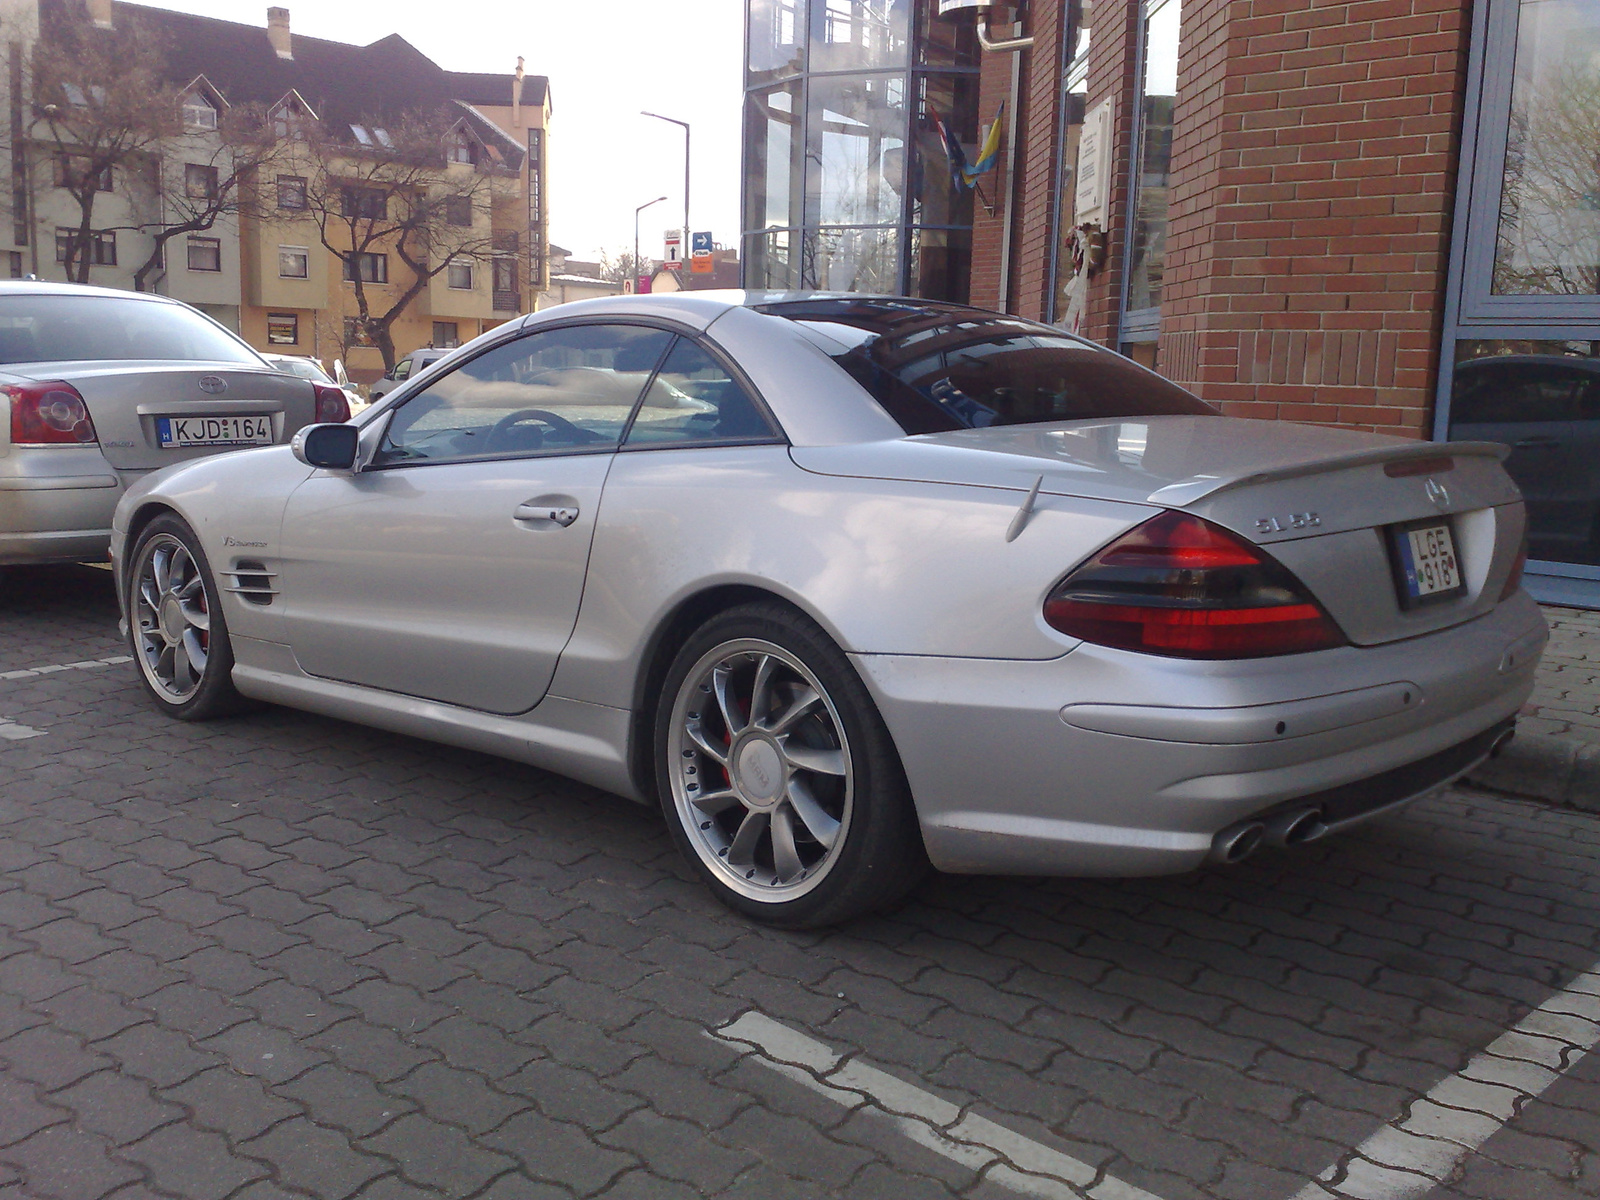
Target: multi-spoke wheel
column 777, row 775
column 175, row 627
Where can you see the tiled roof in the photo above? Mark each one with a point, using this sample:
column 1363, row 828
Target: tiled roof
column 344, row 84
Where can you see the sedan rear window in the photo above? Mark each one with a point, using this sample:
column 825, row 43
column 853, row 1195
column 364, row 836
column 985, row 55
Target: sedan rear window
column 940, row 367
column 46, row 328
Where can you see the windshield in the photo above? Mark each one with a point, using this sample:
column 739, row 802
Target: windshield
column 46, row 328
column 939, row 367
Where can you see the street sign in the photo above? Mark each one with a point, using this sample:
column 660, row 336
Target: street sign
column 702, row 243
column 642, row 287
column 702, row 264
column 672, row 240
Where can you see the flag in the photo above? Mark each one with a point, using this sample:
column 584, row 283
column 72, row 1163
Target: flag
column 988, row 154
column 954, row 155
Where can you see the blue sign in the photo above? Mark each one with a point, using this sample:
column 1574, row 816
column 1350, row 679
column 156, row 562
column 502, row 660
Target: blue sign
column 700, row 243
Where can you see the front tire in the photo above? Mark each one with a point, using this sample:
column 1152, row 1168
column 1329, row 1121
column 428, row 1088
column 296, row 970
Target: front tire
column 176, row 631
column 777, row 776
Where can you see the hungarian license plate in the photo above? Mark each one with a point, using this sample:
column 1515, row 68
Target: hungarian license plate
column 1426, row 566
column 175, row 432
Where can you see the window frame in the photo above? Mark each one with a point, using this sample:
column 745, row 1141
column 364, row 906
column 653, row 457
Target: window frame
column 298, row 185
column 380, row 260
column 211, row 183
column 193, row 243
column 460, row 264
column 282, row 318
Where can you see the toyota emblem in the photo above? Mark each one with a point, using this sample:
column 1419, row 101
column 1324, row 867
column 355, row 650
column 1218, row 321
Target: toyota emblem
column 1438, row 493
column 213, row 385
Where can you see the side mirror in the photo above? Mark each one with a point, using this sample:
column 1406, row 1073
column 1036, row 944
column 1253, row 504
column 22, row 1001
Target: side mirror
column 332, row 447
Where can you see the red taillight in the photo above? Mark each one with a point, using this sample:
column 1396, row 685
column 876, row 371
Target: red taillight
column 48, row 414
column 1182, row 587
column 333, row 407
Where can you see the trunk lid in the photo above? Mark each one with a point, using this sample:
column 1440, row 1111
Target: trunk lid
column 1324, row 502
column 127, row 400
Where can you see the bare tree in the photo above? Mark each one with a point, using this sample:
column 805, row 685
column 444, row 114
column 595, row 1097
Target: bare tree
column 103, row 108
column 621, row 266
column 397, row 193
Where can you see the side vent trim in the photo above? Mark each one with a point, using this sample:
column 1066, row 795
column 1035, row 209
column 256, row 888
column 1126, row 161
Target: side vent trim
column 251, row 581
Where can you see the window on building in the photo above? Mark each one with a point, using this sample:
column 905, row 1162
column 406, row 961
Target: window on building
column 288, row 120
column 14, row 259
column 294, row 262
column 1147, row 248
column 102, row 247
column 369, row 203
column 369, row 268
column 445, row 335
column 283, row 329
column 291, row 191
column 505, row 274
column 355, row 332
column 459, row 275
column 76, row 170
column 458, row 210
column 205, row 254
column 461, row 147
column 199, row 181
column 198, row 113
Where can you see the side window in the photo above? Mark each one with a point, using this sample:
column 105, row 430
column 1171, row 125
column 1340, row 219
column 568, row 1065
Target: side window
column 555, row 391
column 694, row 399
column 402, row 368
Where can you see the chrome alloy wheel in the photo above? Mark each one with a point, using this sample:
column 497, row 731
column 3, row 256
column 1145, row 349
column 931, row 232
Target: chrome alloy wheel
column 172, row 621
column 760, row 770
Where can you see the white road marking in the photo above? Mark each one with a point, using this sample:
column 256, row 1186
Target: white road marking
column 1410, row 1157
column 87, row 664
column 10, row 731
column 1007, row 1157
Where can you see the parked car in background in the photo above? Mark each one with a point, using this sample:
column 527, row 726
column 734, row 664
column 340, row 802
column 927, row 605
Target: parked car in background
column 310, row 368
column 850, row 584
column 1546, row 407
column 101, row 387
column 409, row 366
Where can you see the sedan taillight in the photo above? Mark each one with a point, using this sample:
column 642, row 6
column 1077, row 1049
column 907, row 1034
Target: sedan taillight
column 1182, row 587
column 333, row 406
column 48, row 414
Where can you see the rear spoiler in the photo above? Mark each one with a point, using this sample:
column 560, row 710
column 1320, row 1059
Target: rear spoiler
column 1177, row 495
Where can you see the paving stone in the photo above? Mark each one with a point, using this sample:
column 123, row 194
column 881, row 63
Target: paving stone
column 556, row 1152
column 62, row 1163
column 239, row 1106
column 793, row 1147
column 459, row 1097
column 188, row 1163
column 115, row 1106
column 437, row 1155
column 676, row 1150
column 317, row 1160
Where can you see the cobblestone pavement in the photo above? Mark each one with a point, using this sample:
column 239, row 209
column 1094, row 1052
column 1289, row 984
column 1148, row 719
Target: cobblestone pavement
column 284, row 956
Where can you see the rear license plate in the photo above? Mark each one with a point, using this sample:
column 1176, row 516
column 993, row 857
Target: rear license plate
column 1427, row 569
column 175, row 432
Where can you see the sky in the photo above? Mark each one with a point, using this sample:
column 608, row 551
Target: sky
column 606, row 60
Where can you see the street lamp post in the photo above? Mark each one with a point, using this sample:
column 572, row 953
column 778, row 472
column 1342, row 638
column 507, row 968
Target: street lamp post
column 636, row 212
column 685, row 125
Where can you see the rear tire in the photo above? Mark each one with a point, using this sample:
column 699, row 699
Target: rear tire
column 777, row 776
column 177, row 633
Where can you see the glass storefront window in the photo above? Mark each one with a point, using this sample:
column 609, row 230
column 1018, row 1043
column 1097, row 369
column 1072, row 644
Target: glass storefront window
column 855, row 147
column 859, row 35
column 1541, row 398
column 852, row 260
column 769, row 260
column 1549, row 231
column 1147, row 246
column 945, row 41
column 777, row 39
column 1071, row 285
column 772, row 157
column 936, row 199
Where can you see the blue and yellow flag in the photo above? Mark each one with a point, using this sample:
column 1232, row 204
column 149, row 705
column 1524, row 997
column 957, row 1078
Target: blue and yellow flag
column 988, row 154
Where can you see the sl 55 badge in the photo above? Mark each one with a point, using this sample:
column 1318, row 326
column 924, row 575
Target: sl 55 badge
column 1305, row 520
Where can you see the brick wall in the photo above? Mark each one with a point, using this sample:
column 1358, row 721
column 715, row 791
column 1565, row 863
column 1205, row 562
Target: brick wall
column 1309, row 236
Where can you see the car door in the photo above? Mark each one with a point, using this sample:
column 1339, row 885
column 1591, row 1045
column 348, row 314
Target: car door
column 451, row 567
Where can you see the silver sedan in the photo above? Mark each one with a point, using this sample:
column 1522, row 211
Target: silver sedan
column 852, row 585
column 103, row 387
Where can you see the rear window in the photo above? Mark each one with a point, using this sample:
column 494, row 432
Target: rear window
column 45, row 328
column 937, row 367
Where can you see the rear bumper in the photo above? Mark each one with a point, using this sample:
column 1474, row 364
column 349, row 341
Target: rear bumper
column 1104, row 762
column 56, row 505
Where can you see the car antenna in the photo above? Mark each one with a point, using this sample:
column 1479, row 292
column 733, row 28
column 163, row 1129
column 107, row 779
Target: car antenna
column 1020, row 521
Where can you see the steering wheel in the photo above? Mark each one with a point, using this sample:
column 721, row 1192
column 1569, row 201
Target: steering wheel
column 502, row 428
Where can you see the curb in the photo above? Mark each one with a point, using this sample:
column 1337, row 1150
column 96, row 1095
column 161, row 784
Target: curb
column 1539, row 766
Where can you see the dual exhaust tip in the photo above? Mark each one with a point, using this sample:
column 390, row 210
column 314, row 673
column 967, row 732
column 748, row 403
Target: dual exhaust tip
column 1294, row 828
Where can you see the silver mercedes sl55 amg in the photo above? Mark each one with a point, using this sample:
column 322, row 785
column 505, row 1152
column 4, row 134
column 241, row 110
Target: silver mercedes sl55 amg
column 851, row 585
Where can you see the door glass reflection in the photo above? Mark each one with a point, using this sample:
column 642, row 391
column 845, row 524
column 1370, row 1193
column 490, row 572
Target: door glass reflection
column 1541, row 398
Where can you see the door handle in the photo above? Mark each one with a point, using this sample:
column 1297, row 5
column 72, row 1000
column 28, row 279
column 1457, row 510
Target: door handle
column 562, row 515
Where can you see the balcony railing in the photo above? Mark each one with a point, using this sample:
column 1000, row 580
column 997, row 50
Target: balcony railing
column 508, row 302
